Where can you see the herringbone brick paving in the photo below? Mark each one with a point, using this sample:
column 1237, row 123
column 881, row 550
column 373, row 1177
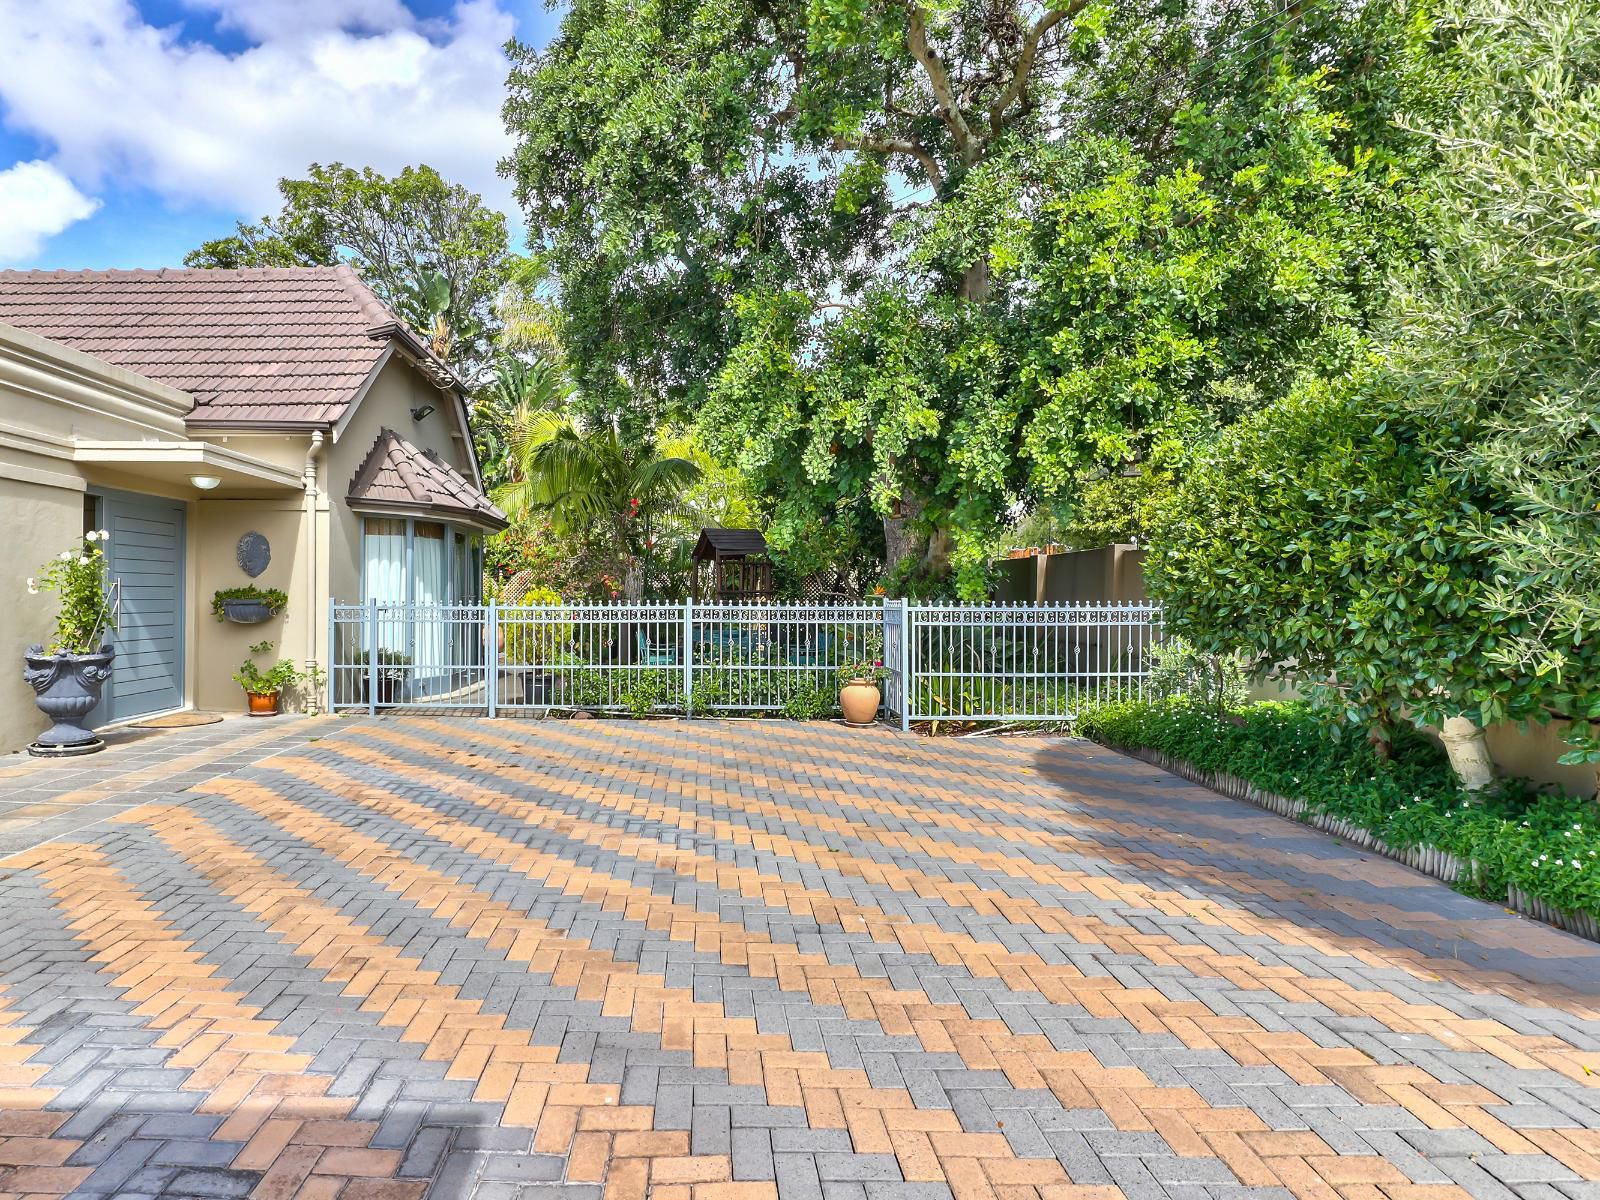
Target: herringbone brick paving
column 691, row 961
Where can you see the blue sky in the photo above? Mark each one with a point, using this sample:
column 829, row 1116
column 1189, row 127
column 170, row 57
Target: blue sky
column 133, row 130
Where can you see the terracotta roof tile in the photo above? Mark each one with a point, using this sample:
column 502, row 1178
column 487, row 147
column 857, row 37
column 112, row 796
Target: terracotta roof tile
column 396, row 474
column 271, row 345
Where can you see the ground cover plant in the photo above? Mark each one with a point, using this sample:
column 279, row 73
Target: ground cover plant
column 1546, row 844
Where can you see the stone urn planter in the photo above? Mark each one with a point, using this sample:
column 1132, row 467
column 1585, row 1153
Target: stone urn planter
column 66, row 688
column 859, row 698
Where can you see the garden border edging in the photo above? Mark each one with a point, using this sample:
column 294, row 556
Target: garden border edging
column 1440, row 864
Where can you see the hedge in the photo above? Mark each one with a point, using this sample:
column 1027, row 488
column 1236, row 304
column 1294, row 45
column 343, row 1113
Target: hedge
column 1545, row 844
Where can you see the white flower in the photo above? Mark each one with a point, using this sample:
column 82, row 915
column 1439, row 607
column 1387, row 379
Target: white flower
column 91, row 536
column 105, row 535
column 1576, row 864
column 83, row 558
column 34, row 591
column 66, row 556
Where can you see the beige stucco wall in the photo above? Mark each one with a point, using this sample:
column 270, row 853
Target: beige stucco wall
column 217, row 526
column 40, row 521
column 394, row 393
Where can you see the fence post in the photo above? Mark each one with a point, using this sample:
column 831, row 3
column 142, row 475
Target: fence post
column 905, row 665
column 333, row 649
column 372, row 657
column 491, row 658
column 688, row 658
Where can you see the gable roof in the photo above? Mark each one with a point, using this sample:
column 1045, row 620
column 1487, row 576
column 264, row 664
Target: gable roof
column 715, row 542
column 273, row 346
column 397, row 475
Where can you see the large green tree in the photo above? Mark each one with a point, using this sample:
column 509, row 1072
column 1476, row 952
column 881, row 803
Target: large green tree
column 1500, row 329
column 430, row 249
column 880, row 239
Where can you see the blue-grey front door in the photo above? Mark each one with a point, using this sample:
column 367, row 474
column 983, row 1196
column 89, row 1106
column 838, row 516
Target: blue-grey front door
column 146, row 554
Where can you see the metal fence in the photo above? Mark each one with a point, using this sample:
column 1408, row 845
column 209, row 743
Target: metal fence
column 942, row 662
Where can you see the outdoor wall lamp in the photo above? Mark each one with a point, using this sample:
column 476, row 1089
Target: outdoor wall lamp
column 206, row 482
column 422, row 410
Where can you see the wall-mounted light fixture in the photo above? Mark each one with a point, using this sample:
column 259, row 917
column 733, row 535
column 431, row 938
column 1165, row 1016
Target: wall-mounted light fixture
column 206, row 482
column 422, row 410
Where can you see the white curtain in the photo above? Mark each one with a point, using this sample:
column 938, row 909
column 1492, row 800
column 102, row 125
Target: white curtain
column 430, row 561
column 384, row 546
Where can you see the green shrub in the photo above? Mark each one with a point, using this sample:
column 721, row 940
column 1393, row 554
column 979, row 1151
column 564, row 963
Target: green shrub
column 1179, row 669
column 1546, row 844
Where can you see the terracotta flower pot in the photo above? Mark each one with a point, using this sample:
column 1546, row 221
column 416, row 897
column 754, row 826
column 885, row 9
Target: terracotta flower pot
column 66, row 687
column 262, row 705
column 860, row 698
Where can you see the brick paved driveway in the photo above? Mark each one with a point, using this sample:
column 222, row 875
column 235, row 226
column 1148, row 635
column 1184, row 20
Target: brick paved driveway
column 745, row 960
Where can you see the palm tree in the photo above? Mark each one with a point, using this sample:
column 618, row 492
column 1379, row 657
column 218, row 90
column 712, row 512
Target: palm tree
column 509, row 411
column 590, row 481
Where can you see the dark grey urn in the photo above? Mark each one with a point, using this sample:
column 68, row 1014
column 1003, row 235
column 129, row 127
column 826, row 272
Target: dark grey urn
column 66, row 688
column 246, row 612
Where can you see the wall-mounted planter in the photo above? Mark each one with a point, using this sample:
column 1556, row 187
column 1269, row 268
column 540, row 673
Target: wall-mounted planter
column 246, row 612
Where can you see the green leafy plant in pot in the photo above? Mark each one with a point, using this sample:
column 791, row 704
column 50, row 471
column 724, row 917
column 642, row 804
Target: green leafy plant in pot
column 68, row 675
column 264, row 689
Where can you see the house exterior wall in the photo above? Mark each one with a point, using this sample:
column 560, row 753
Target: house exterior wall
column 218, row 525
column 397, row 389
column 51, row 396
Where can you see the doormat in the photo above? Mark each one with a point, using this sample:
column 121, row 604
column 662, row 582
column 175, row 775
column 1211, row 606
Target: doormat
column 181, row 720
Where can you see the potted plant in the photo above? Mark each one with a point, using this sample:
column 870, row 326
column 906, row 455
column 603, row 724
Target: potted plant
column 67, row 676
column 859, row 695
column 248, row 605
column 264, row 689
column 393, row 668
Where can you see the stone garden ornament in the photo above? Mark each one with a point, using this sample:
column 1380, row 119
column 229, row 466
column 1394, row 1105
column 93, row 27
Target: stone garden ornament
column 254, row 553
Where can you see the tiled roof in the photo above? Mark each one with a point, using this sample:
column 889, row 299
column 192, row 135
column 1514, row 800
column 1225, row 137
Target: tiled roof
column 395, row 474
column 285, row 345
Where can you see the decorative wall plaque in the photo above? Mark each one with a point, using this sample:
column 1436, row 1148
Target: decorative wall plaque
column 255, row 552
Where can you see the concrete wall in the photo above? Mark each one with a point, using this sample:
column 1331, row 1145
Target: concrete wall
column 1107, row 575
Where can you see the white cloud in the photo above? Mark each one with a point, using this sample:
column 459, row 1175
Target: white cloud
column 356, row 81
column 36, row 202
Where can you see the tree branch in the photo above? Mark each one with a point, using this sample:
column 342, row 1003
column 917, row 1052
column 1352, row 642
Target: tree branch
column 1030, row 49
column 939, row 79
column 888, row 145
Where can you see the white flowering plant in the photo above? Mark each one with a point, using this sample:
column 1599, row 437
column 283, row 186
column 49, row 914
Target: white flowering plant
column 78, row 576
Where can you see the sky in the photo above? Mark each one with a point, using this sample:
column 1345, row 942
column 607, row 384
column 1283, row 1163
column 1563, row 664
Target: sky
column 133, row 130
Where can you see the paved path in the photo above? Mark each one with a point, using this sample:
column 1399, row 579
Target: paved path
column 720, row 960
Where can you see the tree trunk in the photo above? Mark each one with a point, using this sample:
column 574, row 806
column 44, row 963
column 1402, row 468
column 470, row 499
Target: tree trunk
column 1469, row 753
column 632, row 580
column 899, row 538
column 1380, row 735
column 975, row 282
